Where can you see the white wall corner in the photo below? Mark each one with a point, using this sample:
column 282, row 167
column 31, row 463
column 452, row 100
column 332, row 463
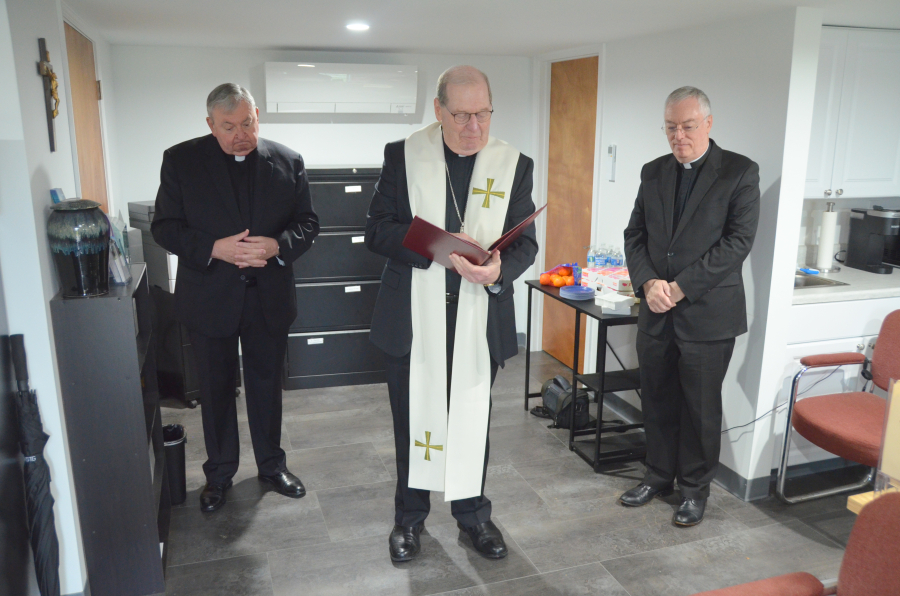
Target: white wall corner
column 28, row 170
column 801, row 98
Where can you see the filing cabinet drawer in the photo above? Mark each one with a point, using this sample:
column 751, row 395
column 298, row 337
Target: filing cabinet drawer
column 342, row 204
column 337, row 256
column 332, row 358
column 335, row 305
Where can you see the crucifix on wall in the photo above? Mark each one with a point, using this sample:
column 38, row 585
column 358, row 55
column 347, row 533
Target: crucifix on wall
column 51, row 89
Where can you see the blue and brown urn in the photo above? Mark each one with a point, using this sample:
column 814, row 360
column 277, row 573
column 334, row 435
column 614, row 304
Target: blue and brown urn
column 79, row 241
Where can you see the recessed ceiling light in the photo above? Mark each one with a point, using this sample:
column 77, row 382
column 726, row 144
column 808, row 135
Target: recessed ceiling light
column 357, row 27
column 307, row 65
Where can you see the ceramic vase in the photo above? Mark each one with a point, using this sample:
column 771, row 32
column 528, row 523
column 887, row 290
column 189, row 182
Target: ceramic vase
column 79, row 240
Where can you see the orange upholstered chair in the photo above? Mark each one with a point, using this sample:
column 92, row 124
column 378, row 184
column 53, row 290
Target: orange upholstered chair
column 849, row 424
column 869, row 568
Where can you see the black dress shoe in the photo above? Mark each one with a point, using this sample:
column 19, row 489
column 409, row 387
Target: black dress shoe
column 690, row 512
column 404, row 542
column 487, row 539
column 643, row 494
column 286, row 484
column 212, row 496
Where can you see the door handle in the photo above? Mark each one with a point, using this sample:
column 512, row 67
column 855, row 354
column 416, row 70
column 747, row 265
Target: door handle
column 839, row 192
column 828, row 193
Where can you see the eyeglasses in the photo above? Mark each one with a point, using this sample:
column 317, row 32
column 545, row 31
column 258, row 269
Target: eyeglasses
column 464, row 117
column 671, row 130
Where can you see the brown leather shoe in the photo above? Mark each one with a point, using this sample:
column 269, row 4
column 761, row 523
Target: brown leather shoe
column 487, row 539
column 212, row 496
column 404, row 542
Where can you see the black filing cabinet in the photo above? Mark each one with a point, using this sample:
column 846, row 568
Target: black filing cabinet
column 337, row 282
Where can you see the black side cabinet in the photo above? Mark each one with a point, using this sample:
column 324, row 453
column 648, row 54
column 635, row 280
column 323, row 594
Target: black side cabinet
column 337, row 282
column 105, row 350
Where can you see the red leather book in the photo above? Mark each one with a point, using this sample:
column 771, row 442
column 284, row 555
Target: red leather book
column 438, row 244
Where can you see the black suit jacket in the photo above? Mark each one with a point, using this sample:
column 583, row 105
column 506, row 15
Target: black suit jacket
column 387, row 223
column 705, row 253
column 196, row 205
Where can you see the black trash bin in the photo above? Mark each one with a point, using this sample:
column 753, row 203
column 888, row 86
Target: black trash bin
column 174, row 437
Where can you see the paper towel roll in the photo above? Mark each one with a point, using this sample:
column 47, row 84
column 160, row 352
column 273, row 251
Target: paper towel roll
column 825, row 256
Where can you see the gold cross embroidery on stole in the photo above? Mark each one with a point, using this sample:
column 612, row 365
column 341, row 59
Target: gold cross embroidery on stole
column 488, row 193
column 428, row 446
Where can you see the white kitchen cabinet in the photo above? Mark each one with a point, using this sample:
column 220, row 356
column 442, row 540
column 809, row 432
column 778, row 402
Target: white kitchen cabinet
column 855, row 142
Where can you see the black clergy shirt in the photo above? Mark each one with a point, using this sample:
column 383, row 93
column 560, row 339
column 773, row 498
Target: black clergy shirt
column 460, row 175
column 241, row 174
column 242, row 178
column 685, row 184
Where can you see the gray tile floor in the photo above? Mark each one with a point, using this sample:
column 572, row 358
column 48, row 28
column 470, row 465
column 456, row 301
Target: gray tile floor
column 566, row 533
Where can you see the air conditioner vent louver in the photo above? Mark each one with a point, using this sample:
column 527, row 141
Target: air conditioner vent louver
column 334, row 88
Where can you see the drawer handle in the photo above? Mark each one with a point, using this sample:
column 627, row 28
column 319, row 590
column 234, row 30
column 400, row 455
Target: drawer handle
column 349, row 189
column 357, row 239
column 349, row 289
column 315, row 340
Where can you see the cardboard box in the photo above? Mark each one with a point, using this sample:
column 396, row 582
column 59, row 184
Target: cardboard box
column 613, row 303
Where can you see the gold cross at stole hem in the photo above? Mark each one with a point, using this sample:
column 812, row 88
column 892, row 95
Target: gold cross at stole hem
column 488, row 193
column 428, row 446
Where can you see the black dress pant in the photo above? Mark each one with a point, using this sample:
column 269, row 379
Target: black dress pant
column 217, row 361
column 681, row 398
column 411, row 505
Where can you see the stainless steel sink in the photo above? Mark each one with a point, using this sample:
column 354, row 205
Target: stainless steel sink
column 802, row 280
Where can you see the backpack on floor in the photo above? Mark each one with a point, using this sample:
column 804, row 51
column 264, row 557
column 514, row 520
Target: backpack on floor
column 557, row 396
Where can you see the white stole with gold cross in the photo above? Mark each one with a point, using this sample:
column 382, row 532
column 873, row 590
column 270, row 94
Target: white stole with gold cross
column 446, row 451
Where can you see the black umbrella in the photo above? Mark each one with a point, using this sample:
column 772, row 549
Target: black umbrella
column 32, row 439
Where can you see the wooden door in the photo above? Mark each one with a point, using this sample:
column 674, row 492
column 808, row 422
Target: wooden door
column 570, row 189
column 86, row 114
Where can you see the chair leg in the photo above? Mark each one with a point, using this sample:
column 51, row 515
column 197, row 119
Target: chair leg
column 781, row 478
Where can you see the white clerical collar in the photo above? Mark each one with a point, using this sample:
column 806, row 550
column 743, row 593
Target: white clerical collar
column 240, row 157
column 687, row 166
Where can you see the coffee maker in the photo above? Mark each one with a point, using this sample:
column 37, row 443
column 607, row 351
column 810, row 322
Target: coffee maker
column 874, row 240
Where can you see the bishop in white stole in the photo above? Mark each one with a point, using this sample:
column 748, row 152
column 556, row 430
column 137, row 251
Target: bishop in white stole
column 447, row 448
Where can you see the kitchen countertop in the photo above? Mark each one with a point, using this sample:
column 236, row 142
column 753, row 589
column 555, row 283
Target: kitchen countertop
column 863, row 286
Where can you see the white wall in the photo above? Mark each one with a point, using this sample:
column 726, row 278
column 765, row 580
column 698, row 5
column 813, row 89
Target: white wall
column 161, row 100
column 745, row 67
column 16, row 563
column 28, row 170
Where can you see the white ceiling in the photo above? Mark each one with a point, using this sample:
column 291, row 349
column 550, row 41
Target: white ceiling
column 503, row 27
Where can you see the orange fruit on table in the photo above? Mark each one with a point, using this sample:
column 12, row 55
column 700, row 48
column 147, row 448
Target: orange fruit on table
column 545, row 279
column 570, row 280
column 565, row 271
column 558, row 280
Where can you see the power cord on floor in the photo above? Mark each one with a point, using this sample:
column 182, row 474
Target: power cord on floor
column 781, row 405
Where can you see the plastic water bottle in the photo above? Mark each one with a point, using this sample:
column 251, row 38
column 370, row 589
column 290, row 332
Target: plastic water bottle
column 591, row 257
column 603, row 256
column 617, row 257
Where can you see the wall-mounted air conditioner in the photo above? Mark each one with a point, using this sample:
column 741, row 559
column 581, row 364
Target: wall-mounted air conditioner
column 326, row 88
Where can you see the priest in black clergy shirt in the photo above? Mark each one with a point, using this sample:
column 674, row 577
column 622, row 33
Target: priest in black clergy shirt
column 693, row 224
column 237, row 211
column 453, row 174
